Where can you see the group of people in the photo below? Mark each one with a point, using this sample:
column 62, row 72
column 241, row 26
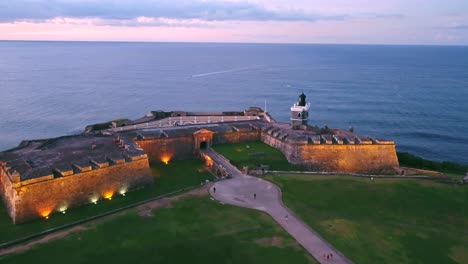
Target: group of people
column 328, row 256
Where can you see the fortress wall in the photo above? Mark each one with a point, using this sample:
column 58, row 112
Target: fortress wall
column 289, row 150
column 43, row 198
column 373, row 158
column 180, row 148
column 168, row 148
column 7, row 192
column 236, row 137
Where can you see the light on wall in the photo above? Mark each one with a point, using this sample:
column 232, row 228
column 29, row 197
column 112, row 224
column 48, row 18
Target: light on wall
column 63, row 209
column 94, row 199
column 166, row 159
column 123, row 190
column 45, row 213
column 108, row 195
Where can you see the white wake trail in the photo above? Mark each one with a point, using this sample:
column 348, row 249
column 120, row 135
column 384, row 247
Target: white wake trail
column 221, row 72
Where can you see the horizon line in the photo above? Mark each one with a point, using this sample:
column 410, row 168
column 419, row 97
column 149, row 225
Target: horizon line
column 240, row 42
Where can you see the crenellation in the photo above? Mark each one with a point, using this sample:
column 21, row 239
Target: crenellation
column 337, row 140
column 80, row 168
column 43, row 177
column 364, row 141
column 314, row 140
column 349, row 140
column 99, row 163
column 373, row 140
column 133, row 157
column 385, row 142
column 115, row 160
column 63, row 170
column 326, row 139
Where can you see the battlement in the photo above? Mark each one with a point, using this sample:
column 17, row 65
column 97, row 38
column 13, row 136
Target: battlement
column 46, row 160
column 314, row 137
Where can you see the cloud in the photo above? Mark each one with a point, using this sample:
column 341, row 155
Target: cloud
column 134, row 22
column 131, row 12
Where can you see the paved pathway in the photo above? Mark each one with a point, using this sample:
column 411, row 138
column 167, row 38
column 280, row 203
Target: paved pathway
column 240, row 191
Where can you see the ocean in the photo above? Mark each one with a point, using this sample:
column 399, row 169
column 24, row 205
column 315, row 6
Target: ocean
column 414, row 95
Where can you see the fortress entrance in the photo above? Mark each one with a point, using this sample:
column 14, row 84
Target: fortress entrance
column 203, row 145
column 202, row 139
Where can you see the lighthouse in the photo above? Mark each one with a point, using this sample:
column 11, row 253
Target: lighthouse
column 300, row 113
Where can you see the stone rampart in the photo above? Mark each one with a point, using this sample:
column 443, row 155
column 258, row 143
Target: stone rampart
column 165, row 149
column 6, row 191
column 332, row 154
column 27, row 200
column 236, row 137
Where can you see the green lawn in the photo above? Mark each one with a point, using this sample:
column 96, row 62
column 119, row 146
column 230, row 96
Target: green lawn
column 385, row 220
column 252, row 154
column 194, row 230
column 168, row 178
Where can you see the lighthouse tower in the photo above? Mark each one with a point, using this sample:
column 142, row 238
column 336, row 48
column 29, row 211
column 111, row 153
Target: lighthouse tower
column 300, row 113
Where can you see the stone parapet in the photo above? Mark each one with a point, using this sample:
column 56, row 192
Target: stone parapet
column 42, row 196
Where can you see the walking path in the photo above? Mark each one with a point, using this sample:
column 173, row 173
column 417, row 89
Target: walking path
column 251, row 192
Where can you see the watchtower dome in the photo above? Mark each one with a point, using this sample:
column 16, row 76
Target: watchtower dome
column 300, row 113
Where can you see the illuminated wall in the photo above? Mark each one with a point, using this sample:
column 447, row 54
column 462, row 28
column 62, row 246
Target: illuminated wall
column 43, row 198
column 158, row 150
column 373, row 158
column 7, row 192
column 183, row 147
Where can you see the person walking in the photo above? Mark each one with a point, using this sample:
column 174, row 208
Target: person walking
column 214, row 189
column 255, row 196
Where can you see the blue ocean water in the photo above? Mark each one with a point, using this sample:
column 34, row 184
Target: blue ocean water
column 415, row 95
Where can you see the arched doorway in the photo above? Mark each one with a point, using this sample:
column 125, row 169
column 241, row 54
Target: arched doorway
column 203, row 145
column 202, row 139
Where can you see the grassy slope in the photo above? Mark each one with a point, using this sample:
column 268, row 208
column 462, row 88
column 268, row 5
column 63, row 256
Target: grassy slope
column 384, row 221
column 451, row 168
column 195, row 230
column 168, row 178
column 252, row 154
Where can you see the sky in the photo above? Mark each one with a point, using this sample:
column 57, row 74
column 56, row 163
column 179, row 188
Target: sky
column 415, row 22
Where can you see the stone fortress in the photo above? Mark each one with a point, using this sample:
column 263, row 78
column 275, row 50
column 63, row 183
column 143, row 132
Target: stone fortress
column 40, row 177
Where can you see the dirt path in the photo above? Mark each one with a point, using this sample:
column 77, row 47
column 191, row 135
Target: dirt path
column 43, row 240
column 166, row 202
column 144, row 210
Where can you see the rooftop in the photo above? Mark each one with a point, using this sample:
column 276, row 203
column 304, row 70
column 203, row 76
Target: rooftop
column 64, row 155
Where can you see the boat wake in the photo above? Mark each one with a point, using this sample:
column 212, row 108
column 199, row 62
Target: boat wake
column 221, row 72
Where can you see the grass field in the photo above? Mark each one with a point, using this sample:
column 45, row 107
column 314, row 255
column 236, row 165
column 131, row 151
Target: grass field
column 385, row 220
column 252, row 154
column 193, row 230
column 168, row 178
